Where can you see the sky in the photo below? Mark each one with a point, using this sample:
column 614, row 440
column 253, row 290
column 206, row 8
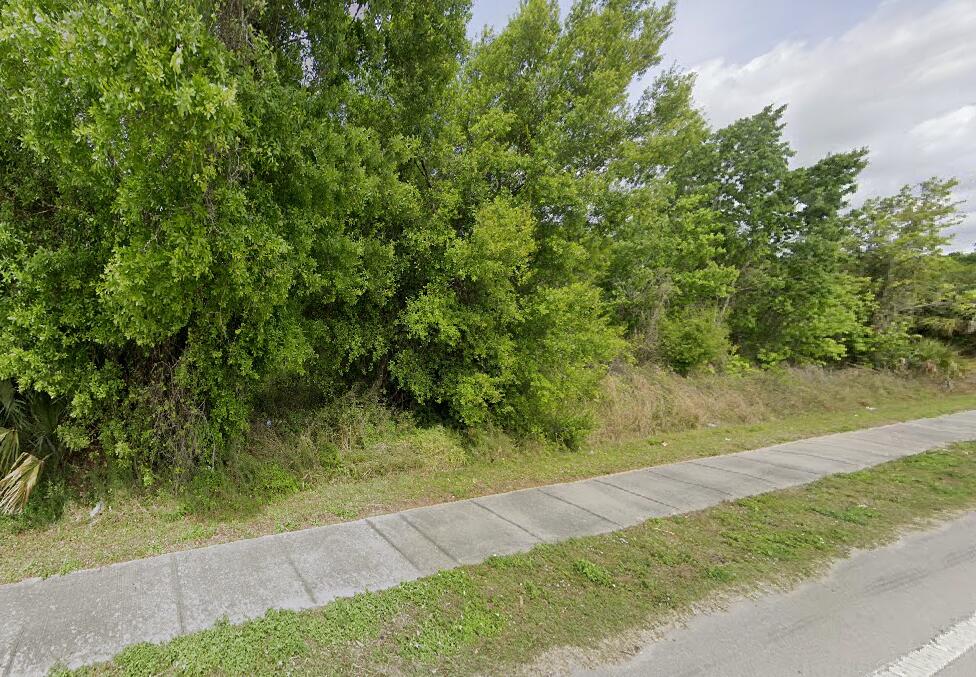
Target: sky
column 897, row 76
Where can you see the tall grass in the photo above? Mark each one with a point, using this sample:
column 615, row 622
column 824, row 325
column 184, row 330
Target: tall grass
column 637, row 402
column 297, row 444
column 356, row 437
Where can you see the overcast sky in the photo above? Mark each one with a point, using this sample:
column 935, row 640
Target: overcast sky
column 897, row 76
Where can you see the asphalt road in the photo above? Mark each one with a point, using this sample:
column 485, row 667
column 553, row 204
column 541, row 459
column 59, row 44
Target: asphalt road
column 907, row 608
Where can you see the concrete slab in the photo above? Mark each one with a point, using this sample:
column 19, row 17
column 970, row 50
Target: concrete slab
column 681, row 496
column 547, row 517
column 238, row 581
column 965, row 431
column 422, row 552
column 89, row 616
column 732, row 484
column 883, row 446
column 798, row 461
column 896, row 443
column 16, row 604
column 468, row 532
column 861, row 453
column 921, row 434
column 777, row 474
column 344, row 559
column 963, row 417
column 617, row 505
column 938, row 431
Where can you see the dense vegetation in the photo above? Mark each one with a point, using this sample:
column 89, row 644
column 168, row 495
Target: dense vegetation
column 206, row 206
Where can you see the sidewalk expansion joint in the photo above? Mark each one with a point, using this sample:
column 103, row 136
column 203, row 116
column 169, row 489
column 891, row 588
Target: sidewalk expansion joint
column 734, row 472
column 811, row 473
column 691, row 484
column 513, row 523
column 394, row 546
column 177, row 592
column 542, row 490
column 822, row 458
column 430, row 540
column 608, row 483
column 298, row 574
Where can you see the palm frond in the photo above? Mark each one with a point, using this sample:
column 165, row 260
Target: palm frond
column 9, row 445
column 16, row 487
column 45, row 416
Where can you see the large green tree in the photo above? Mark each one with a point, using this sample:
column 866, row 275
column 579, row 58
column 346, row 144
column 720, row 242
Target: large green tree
column 191, row 194
column 782, row 232
column 898, row 242
column 507, row 321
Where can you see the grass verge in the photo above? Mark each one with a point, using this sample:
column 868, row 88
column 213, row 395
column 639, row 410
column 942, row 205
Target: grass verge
column 496, row 616
column 134, row 524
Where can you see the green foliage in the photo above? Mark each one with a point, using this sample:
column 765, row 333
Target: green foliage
column 897, row 243
column 181, row 205
column 693, row 340
column 199, row 199
column 897, row 349
column 934, row 356
column 917, row 291
column 793, row 298
column 593, row 572
column 29, row 441
column 952, row 315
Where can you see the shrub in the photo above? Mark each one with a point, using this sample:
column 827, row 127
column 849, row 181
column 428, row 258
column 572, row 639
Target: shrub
column 694, row 340
column 897, row 349
column 932, row 356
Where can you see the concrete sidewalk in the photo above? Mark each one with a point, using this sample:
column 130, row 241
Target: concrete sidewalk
column 89, row 616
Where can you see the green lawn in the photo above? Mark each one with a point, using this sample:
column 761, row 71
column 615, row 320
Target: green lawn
column 141, row 525
column 510, row 610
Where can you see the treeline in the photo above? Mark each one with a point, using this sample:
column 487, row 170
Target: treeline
column 204, row 201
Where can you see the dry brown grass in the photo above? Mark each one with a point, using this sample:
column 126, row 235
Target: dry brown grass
column 637, row 402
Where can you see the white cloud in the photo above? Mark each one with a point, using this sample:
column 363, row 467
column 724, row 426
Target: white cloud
column 945, row 131
column 902, row 82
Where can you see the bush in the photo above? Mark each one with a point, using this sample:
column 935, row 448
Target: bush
column 694, row 340
column 899, row 350
column 932, row 356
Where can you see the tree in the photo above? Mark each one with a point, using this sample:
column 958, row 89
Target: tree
column 897, row 242
column 951, row 316
column 506, row 322
column 190, row 201
column 662, row 246
column 782, row 234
